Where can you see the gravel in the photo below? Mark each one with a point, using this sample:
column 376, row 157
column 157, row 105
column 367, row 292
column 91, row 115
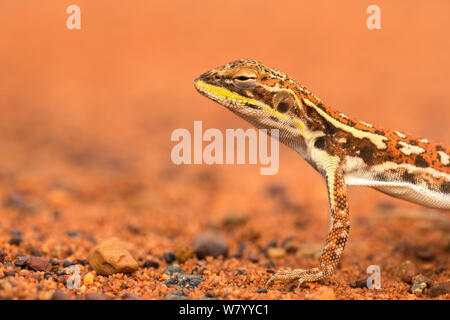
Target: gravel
column 439, row 289
column 68, row 263
column 22, row 261
column 210, row 246
column 169, row 257
column 151, row 264
column 60, row 295
column 181, row 279
column 39, row 264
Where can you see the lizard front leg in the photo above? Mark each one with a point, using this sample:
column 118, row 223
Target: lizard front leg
column 337, row 235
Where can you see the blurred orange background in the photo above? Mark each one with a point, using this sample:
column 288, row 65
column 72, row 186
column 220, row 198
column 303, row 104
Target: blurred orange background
column 119, row 86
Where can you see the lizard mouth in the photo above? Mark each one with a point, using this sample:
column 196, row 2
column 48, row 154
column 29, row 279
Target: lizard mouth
column 224, row 96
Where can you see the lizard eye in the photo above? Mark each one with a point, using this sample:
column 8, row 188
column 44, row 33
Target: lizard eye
column 245, row 79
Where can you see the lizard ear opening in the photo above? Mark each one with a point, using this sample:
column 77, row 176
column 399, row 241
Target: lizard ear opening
column 283, row 101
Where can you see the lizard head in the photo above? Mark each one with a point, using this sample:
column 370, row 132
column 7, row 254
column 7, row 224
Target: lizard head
column 263, row 96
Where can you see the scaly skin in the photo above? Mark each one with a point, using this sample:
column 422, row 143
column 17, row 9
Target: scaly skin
column 343, row 150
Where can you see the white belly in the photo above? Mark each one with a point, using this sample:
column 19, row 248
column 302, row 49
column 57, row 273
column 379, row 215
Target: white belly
column 405, row 191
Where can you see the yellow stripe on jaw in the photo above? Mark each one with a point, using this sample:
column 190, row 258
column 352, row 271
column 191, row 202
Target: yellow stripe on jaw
column 237, row 98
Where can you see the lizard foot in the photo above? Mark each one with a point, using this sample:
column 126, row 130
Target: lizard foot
column 298, row 274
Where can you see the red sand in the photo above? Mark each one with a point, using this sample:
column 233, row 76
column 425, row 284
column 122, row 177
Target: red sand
column 87, row 117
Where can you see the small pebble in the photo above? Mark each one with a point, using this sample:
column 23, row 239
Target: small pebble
column 418, row 288
column 54, row 262
column 151, row 264
column 252, row 257
column 422, row 279
column 133, row 229
column 2, row 255
column 73, row 233
column 407, row 270
column 276, row 253
column 131, row 296
column 210, row 294
column 208, row 245
column 48, row 275
column 110, row 257
column 61, row 273
column 291, row 246
column 183, row 253
column 83, row 262
column 184, row 280
column 261, row 290
column 88, row 279
column 60, row 295
column 439, row 289
column 22, row 261
column 36, row 276
column 39, row 264
column 24, row 273
column 360, row 283
column 68, row 263
column 16, row 240
column 241, row 271
column 233, row 220
column 271, row 244
column 169, row 257
column 423, row 253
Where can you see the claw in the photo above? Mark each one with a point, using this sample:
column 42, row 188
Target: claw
column 285, row 275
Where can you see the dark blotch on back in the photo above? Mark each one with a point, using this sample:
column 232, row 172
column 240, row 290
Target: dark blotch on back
column 421, row 162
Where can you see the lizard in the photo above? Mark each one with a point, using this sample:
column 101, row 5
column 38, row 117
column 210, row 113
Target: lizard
column 343, row 150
